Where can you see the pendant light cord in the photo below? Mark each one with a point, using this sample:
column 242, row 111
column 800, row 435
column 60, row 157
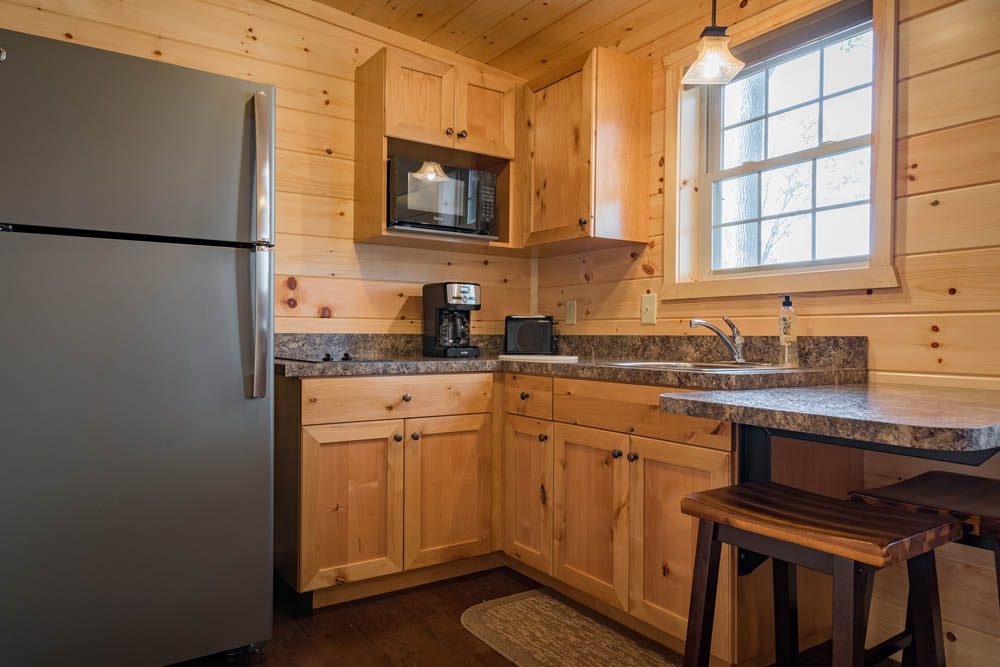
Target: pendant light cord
column 713, row 13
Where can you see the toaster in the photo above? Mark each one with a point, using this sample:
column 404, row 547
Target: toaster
column 528, row 334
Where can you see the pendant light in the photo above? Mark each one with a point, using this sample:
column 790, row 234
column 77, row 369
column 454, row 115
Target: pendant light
column 431, row 172
column 715, row 65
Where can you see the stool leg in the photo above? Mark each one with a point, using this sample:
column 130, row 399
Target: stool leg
column 996, row 560
column 704, row 584
column 925, row 611
column 786, row 613
column 849, row 589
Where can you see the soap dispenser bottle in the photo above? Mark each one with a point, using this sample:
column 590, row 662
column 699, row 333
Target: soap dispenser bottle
column 787, row 334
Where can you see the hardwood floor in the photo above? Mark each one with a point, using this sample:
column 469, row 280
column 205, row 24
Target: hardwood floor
column 420, row 627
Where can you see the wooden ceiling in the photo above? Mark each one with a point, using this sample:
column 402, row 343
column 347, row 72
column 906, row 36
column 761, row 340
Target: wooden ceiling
column 530, row 37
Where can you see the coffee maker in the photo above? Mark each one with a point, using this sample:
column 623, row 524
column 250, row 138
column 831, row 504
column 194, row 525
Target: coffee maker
column 447, row 311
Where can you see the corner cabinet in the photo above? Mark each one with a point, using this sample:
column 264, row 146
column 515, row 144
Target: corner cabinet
column 588, row 129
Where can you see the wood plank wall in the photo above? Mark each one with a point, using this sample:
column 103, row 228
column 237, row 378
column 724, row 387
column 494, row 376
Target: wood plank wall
column 308, row 51
column 937, row 327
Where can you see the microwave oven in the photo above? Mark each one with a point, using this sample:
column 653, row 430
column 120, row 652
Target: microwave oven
column 432, row 197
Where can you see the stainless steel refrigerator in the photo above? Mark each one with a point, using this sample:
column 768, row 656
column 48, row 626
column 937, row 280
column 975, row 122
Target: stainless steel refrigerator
column 136, row 358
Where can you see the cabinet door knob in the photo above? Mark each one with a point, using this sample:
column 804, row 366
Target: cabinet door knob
column 407, row 398
column 632, row 456
column 616, row 453
column 542, row 437
column 524, row 395
column 463, row 134
column 449, row 131
column 415, row 435
column 398, row 437
column 582, row 221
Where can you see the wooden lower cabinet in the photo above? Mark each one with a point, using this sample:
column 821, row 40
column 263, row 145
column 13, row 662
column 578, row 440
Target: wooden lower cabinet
column 447, row 489
column 590, row 535
column 662, row 539
column 351, row 503
column 528, row 497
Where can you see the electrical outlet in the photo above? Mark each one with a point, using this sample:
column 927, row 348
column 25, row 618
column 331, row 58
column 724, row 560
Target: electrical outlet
column 570, row 312
column 649, row 308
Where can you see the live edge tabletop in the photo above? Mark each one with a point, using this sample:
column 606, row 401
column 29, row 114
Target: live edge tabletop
column 931, row 422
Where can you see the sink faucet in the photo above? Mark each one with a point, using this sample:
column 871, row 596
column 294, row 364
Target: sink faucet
column 735, row 345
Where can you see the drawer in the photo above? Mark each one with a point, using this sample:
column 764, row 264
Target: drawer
column 630, row 408
column 331, row 400
column 528, row 395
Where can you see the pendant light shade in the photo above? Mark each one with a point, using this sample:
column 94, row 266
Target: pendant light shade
column 715, row 65
column 431, row 172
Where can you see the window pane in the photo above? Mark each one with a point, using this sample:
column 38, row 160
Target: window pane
column 842, row 232
column 735, row 246
column 743, row 144
column 793, row 82
column 736, row 199
column 743, row 99
column 847, row 116
column 848, row 63
column 844, row 177
column 786, row 189
column 786, row 240
column 793, row 131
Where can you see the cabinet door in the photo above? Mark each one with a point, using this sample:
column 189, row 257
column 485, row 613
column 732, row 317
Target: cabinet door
column 561, row 117
column 528, row 503
column 420, row 99
column 484, row 113
column 591, row 512
column 351, row 505
column 663, row 539
column 447, row 491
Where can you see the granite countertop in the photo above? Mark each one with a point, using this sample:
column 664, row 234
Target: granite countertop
column 592, row 370
column 934, row 418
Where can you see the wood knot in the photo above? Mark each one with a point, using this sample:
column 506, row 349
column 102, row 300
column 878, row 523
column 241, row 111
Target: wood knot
column 292, row 303
column 952, row 290
column 666, row 568
column 935, row 203
column 325, row 312
column 292, row 283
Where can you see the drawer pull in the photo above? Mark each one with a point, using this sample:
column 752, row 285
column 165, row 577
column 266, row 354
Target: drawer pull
column 407, row 398
column 398, row 437
column 542, row 437
column 415, row 436
column 616, row 453
column 525, row 395
column 632, row 456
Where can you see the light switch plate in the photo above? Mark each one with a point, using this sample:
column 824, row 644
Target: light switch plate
column 570, row 312
column 649, row 308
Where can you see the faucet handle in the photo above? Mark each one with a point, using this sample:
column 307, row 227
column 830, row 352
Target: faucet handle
column 732, row 327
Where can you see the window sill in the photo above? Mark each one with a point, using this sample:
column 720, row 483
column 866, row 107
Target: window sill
column 823, row 280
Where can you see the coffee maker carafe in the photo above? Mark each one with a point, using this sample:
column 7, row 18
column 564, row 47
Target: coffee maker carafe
column 447, row 325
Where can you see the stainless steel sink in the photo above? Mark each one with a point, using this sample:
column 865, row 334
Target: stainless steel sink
column 706, row 367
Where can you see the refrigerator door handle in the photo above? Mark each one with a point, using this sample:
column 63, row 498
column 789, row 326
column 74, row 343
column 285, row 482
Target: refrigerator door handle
column 263, row 207
column 261, row 267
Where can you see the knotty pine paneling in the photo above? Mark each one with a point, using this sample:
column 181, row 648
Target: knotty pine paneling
column 309, row 53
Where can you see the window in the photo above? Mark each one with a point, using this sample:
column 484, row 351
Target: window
column 783, row 179
column 788, row 159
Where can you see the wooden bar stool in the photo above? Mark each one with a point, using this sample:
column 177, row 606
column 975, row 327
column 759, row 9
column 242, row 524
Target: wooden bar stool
column 849, row 540
column 975, row 501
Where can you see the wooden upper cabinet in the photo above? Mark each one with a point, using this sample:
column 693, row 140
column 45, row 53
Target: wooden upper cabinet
column 351, row 503
column 434, row 102
column 484, row 113
column 528, row 488
column 661, row 551
column 420, row 99
column 590, row 545
column 447, row 491
column 589, row 146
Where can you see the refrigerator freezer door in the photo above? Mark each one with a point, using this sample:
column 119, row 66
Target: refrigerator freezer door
column 102, row 141
column 135, row 488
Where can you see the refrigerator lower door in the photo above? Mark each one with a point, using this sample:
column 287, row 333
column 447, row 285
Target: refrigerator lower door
column 135, row 483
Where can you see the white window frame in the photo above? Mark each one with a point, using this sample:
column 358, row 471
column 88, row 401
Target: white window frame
column 687, row 233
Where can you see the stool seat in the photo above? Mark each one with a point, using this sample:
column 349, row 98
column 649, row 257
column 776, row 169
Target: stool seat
column 873, row 535
column 973, row 500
